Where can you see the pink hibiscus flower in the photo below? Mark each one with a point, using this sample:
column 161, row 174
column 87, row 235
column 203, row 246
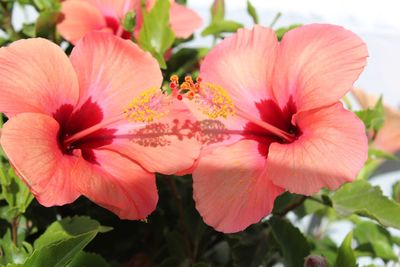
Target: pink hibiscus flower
column 83, row 16
column 280, row 106
column 68, row 134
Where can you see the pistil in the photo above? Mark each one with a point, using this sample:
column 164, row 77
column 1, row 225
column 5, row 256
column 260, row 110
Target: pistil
column 215, row 102
column 93, row 129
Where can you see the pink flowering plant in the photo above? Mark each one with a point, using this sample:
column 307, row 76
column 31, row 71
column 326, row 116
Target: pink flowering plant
column 122, row 145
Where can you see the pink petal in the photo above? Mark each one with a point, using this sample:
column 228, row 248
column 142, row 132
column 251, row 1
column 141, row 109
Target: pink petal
column 112, row 71
column 118, row 184
column 80, row 18
column 115, row 8
column 242, row 64
column 184, row 21
column 167, row 146
column 30, row 142
column 230, row 187
column 36, row 76
column 331, row 151
column 388, row 137
column 316, row 65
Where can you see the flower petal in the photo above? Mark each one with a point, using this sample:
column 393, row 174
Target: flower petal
column 36, row 76
column 230, row 187
column 168, row 146
column 184, row 21
column 80, row 18
column 118, row 184
column 115, row 8
column 331, row 151
column 249, row 56
column 30, row 142
column 316, row 65
column 112, row 71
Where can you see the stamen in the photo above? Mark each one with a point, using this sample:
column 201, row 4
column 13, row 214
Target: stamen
column 211, row 99
column 148, row 106
column 215, row 102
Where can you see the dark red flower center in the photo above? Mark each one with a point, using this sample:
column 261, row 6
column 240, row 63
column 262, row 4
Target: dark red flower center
column 74, row 121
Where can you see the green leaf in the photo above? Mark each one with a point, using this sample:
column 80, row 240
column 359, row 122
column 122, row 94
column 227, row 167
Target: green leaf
column 252, row 247
column 396, row 191
column 373, row 118
column 10, row 253
column 62, row 241
column 14, row 191
column 252, row 12
column 325, row 247
column 47, row 4
column 217, row 11
column 285, row 201
column 293, row 244
column 186, row 60
column 368, row 169
column 156, row 35
column 281, row 31
column 129, row 21
column 29, row 30
column 222, row 26
column 46, row 23
column 86, row 259
column 346, row 255
column 363, row 199
column 369, row 234
column 380, row 154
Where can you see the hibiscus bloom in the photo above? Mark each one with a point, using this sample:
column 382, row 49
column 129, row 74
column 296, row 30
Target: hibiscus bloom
column 388, row 137
column 287, row 129
column 67, row 133
column 83, row 16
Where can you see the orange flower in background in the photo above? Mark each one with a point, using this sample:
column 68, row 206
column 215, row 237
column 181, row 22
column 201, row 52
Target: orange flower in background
column 280, row 105
column 388, row 137
column 83, row 16
column 84, row 125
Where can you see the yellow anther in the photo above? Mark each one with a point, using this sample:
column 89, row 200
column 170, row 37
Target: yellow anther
column 148, row 106
column 214, row 101
column 174, row 78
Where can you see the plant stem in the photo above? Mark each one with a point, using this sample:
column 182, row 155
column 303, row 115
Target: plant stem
column 14, row 230
column 178, row 200
column 293, row 205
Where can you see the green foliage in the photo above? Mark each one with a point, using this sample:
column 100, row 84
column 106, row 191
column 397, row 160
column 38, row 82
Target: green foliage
column 375, row 239
column 373, row 118
column 281, row 31
column 156, row 35
column 129, row 21
column 62, row 241
column 47, row 4
column 293, row 244
column 252, row 12
column 396, row 191
column 220, row 27
column 86, row 259
column 363, row 199
column 14, row 192
column 346, row 255
column 46, row 23
column 253, row 247
column 217, row 11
